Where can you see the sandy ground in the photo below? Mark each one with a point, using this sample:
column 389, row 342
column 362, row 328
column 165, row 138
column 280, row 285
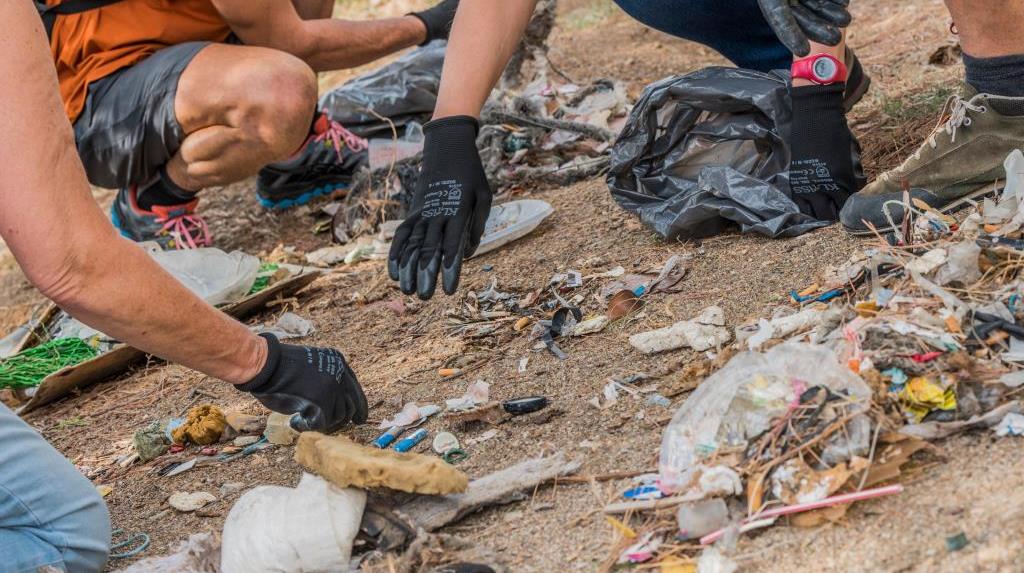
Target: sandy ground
column 975, row 488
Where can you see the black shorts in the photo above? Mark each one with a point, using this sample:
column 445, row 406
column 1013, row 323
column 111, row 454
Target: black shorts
column 128, row 130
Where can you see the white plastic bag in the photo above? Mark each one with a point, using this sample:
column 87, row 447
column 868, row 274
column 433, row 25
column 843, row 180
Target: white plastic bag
column 309, row 529
column 739, row 401
column 215, row 276
column 510, row 221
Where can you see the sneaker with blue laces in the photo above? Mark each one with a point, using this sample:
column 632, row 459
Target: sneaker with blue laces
column 326, row 163
column 171, row 226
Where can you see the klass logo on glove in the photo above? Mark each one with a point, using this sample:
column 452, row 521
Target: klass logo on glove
column 315, row 383
column 449, row 210
column 797, row 22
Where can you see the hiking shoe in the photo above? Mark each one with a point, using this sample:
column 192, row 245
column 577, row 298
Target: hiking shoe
column 857, row 82
column 173, row 227
column 324, row 164
column 962, row 160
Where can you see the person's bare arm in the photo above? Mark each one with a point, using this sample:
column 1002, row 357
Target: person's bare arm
column 484, row 36
column 326, row 44
column 66, row 246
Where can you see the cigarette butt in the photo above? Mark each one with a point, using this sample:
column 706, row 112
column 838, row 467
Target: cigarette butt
column 448, row 372
column 521, row 323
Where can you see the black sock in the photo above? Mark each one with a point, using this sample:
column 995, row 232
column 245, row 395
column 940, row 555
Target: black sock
column 1001, row 76
column 163, row 192
column 821, row 173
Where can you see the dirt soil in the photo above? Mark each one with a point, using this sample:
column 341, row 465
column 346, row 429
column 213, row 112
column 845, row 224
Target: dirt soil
column 976, row 488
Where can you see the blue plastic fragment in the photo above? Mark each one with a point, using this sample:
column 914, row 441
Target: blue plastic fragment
column 408, row 443
column 823, row 297
column 899, row 379
column 884, row 297
column 643, row 492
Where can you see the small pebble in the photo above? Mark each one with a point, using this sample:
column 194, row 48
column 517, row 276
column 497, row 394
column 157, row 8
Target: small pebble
column 231, row 487
column 185, row 502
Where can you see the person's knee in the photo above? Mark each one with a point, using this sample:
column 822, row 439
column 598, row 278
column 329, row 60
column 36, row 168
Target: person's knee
column 87, row 531
column 282, row 101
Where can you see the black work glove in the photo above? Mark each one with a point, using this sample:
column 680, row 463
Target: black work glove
column 448, row 213
column 796, row 22
column 822, row 175
column 438, row 20
column 315, row 383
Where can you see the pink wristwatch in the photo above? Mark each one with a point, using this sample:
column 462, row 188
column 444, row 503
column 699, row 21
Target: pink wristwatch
column 821, row 69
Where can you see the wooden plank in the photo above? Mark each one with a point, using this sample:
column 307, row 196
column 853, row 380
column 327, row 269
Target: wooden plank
column 122, row 357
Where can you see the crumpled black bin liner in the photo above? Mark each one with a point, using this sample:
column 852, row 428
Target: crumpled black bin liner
column 706, row 150
column 403, row 91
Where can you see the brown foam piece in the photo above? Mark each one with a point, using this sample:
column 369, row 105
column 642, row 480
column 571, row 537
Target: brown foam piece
column 203, row 425
column 345, row 463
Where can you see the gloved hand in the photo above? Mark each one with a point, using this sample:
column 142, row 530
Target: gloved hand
column 449, row 210
column 438, row 20
column 822, row 174
column 315, row 383
column 796, row 22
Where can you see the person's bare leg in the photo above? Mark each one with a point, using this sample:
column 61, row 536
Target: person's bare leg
column 314, row 9
column 241, row 108
column 991, row 28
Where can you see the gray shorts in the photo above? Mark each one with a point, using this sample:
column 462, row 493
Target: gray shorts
column 127, row 130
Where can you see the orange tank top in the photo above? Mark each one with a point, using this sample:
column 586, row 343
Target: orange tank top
column 97, row 43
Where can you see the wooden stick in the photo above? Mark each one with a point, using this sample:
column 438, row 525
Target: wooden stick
column 603, row 477
column 651, row 504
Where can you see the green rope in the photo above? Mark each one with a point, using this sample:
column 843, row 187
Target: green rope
column 266, row 271
column 29, row 367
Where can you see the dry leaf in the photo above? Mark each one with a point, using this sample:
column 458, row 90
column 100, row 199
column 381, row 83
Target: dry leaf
column 623, row 303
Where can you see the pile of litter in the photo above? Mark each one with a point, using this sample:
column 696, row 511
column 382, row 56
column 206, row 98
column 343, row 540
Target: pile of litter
column 824, row 403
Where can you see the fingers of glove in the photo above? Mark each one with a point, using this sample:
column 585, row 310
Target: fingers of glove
column 310, row 418
column 780, row 18
column 361, row 409
column 409, row 262
column 430, row 261
column 454, row 251
column 477, row 226
column 398, row 245
column 830, row 12
column 815, row 28
column 820, row 207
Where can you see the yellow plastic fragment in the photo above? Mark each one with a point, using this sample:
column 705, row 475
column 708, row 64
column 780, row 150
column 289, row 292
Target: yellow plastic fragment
column 867, row 308
column 810, row 290
column 622, row 528
column 921, row 396
column 677, row 565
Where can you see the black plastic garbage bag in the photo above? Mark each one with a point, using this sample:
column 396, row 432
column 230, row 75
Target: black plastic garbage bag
column 706, row 150
column 403, row 91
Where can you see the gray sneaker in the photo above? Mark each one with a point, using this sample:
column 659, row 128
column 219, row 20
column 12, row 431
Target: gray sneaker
column 961, row 161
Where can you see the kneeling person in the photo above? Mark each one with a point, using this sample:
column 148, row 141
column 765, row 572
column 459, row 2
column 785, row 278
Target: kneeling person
column 169, row 100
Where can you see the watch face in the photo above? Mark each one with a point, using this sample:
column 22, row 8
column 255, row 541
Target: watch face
column 824, row 69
